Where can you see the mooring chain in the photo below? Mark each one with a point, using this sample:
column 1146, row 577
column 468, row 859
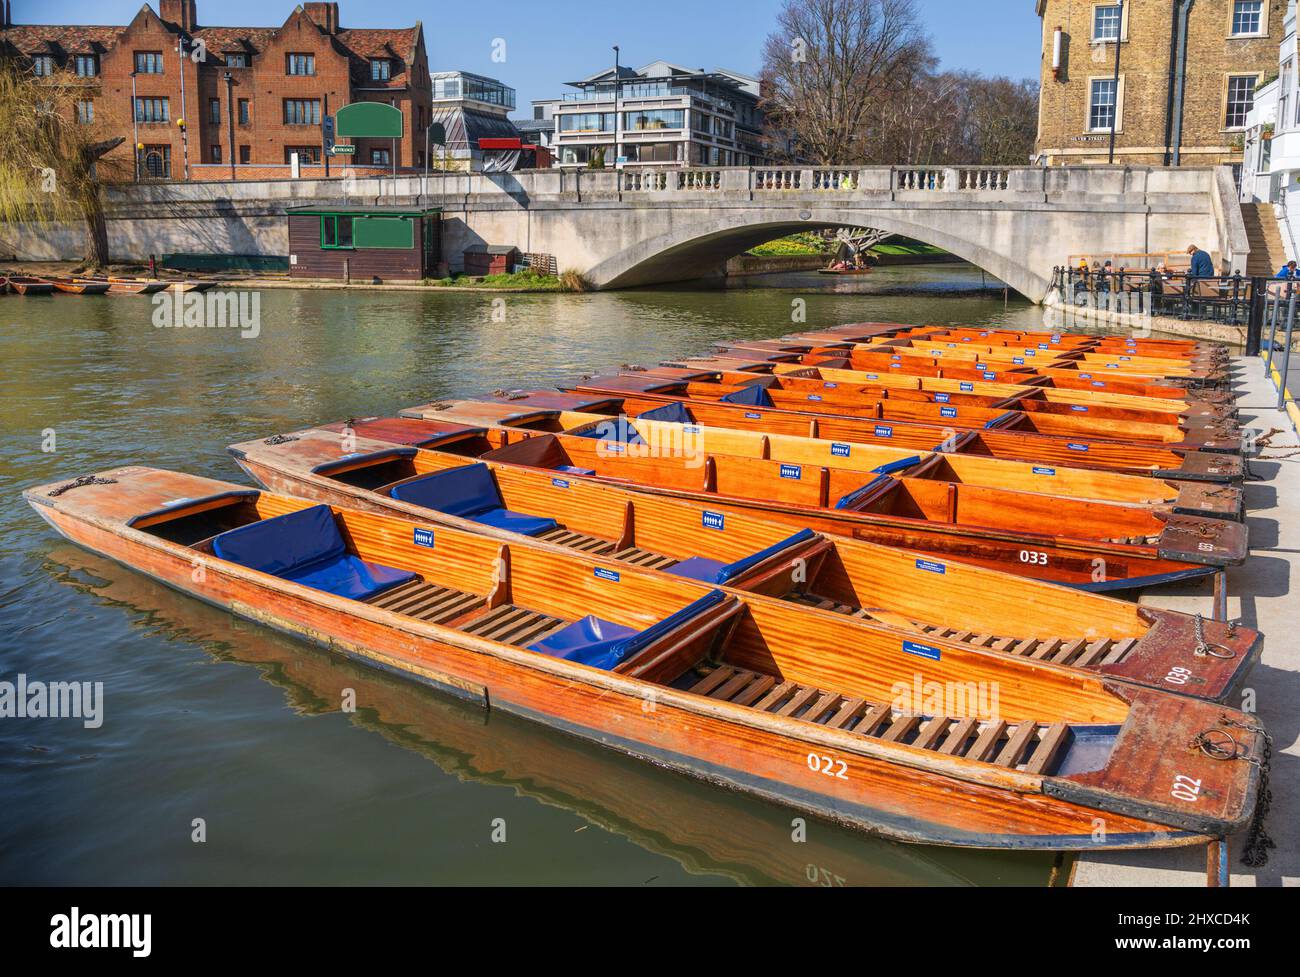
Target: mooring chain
column 1258, row 842
column 80, row 482
column 280, row 439
column 1204, row 648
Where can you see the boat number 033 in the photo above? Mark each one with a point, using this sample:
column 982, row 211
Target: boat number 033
column 1186, row 788
column 1033, row 556
column 828, row 765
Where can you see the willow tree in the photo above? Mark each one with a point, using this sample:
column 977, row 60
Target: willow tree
column 52, row 163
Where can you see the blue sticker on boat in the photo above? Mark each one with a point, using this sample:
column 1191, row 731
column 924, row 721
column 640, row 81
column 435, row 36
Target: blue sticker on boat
column 830, row 386
column 931, row 566
column 691, row 429
column 884, row 432
column 605, row 574
column 792, row 471
column 1098, row 383
column 942, row 398
column 925, row 651
column 1126, row 357
column 1031, row 352
column 1056, row 338
column 1018, row 360
column 1085, row 376
column 559, row 483
column 840, row 450
column 947, row 411
column 966, row 386
column 952, row 345
column 896, row 356
column 1112, row 366
column 1075, row 446
column 1042, row 346
column 814, row 397
column 1079, row 408
column 713, row 520
column 1044, row 470
column 990, row 376
column 873, row 376
column 752, row 416
column 423, row 537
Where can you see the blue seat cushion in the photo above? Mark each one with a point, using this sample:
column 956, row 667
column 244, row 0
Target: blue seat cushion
column 751, row 395
column 714, row 571
column 676, row 413
column 464, row 491
column 306, row 547
column 574, row 470
column 602, row 644
column 858, row 496
column 615, row 429
column 515, row 522
column 698, row 568
column 588, row 642
column 470, row 492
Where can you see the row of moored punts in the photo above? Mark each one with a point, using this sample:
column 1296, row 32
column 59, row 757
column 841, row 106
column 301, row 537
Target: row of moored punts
column 48, row 285
column 865, row 571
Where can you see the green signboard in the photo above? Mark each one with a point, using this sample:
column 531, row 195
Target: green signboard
column 383, row 232
column 368, row 120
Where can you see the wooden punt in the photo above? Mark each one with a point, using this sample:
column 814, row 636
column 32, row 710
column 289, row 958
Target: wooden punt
column 1158, row 495
column 30, row 285
column 1111, row 547
column 189, row 286
column 1053, row 438
column 720, row 832
column 843, row 271
column 744, row 694
column 131, row 286
column 77, row 286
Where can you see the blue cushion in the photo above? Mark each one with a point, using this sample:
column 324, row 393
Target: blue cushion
column 588, row 642
column 463, row 491
column 897, row 466
column 306, row 547
column 675, row 413
column 614, row 429
column 698, row 568
column 602, row 644
column 1001, row 420
column 574, row 470
column 751, row 395
column 857, row 495
column 515, row 522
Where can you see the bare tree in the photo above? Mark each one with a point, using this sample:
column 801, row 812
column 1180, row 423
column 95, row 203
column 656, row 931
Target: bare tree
column 831, row 65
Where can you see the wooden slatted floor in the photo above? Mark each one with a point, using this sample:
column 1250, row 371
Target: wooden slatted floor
column 1029, row 746
column 645, row 558
column 427, row 601
column 1079, row 652
column 513, row 625
column 603, row 547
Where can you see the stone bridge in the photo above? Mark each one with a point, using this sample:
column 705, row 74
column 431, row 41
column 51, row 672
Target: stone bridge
column 639, row 226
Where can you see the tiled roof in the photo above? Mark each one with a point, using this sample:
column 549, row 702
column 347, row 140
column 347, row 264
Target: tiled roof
column 60, row 38
column 364, row 43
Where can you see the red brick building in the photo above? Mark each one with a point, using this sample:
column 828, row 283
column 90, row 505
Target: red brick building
column 249, row 96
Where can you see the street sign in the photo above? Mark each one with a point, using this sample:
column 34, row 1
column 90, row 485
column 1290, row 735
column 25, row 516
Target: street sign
column 341, row 150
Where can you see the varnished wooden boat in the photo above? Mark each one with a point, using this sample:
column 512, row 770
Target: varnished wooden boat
column 1012, row 437
column 843, row 271
column 743, row 694
column 78, row 286
column 30, row 285
column 1134, row 549
column 189, row 286
column 130, row 286
column 1154, row 494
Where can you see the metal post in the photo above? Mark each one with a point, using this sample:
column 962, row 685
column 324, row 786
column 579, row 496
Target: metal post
column 1220, row 610
column 230, row 120
column 617, row 120
column 135, row 129
column 184, row 124
column 1255, row 316
column 1217, row 873
column 1114, row 115
column 1286, row 351
column 1274, row 302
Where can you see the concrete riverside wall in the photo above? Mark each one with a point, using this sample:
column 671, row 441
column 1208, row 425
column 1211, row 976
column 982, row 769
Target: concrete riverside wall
column 645, row 225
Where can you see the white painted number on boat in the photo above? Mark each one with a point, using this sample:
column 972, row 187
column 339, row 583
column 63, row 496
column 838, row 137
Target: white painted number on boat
column 925, row 651
column 1085, row 376
column 1033, row 557
column 830, row 386
column 1205, row 547
column 559, row 483
column 792, row 471
column 604, row 574
column 713, row 520
column 1178, row 675
column 840, row 450
column 931, row 566
column 873, row 376
column 1018, row 360
column 424, row 537
column 1186, row 789
column 828, row 765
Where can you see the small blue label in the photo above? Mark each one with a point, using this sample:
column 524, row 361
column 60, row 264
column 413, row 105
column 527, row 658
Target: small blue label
column 605, row 574
column 1044, row 470
column 936, row 352
column 559, row 483
column 613, row 447
column 691, row 429
column 990, row 376
column 1075, row 446
column 424, row 537
column 942, row 398
column 1078, row 408
column 1085, row 376
column 873, row 376
column 752, row 416
column 1018, row 360
column 896, row 357
column 1126, row 357
column 1056, row 338
column 814, row 396
column 980, row 366
column 925, row 651
column 792, row 471
column 1042, row 346
column 830, row 386
column 947, row 411
column 713, row 520
column 884, row 432
column 1112, row 366
column 931, row 566
column 952, row 345
column 966, row 386
column 1098, row 383
column 840, row 450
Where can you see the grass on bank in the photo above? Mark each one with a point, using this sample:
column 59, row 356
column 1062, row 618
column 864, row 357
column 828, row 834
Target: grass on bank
column 526, row 280
column 805, row 242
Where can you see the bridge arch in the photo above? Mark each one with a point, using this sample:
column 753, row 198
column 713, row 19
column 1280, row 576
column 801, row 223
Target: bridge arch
column 691, row 248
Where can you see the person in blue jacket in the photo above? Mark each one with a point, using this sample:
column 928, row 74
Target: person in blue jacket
column 1202, row 264
column 1287, row 270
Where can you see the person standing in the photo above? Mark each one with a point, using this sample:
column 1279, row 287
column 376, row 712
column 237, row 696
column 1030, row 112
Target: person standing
column 1202, row 263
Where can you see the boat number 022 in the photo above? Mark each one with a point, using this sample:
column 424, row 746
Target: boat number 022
column 828, row 765
column 1033, row 556
column 1186, row 789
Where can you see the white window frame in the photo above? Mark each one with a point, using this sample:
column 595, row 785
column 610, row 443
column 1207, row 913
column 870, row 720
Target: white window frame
column 1123, row 24
column 1118, row 105
column 1227, row 89
column 1260, row 31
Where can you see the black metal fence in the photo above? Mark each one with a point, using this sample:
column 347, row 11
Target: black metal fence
column 1178, row 295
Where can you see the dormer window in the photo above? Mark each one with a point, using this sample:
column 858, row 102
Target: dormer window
column 236, row 60
column 87, row 66
column 42, row 65
column 381, row 69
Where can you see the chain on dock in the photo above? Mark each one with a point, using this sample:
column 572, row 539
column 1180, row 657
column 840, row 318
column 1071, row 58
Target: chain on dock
column 1258, row 842
column 80, row 482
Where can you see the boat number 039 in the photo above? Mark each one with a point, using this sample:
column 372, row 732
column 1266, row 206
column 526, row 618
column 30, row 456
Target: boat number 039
column 1178, row 675
column 1033, row 556
column 828, row 765
column 1186, row 789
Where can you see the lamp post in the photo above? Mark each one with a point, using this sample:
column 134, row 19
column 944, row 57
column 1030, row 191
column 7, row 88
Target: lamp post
column 617, row 120
column 1114, row 114
column 185, row 139
column 230, row 121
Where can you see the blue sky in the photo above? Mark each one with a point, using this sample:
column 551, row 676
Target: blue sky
column 549, row 42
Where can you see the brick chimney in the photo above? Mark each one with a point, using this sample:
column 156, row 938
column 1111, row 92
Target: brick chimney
column 182, row 13
column 324, row 15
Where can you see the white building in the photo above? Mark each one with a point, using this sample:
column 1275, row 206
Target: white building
column 1271, row 164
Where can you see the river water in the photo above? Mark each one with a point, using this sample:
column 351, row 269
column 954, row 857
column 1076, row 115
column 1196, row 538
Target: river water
column 219, row 730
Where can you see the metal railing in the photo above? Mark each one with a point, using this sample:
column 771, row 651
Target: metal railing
column 1279, row 313
column 1178, row 295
